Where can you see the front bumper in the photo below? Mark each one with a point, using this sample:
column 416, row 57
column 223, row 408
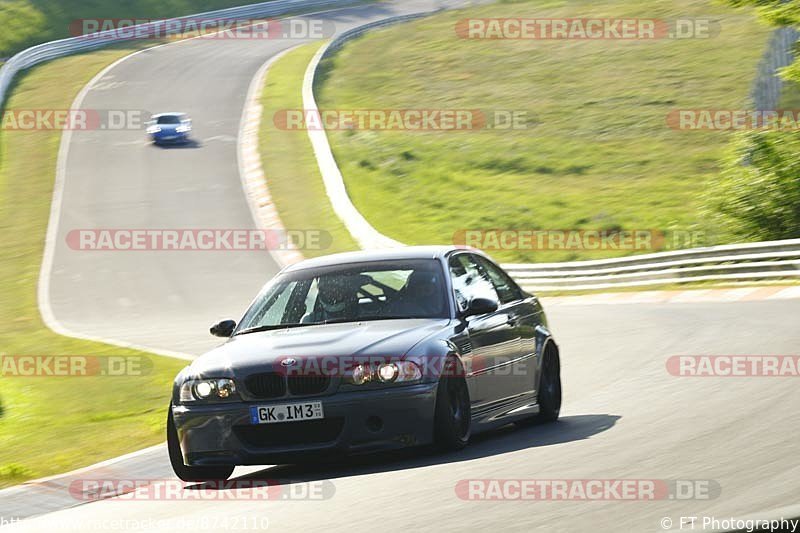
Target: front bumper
column 355, row 422
column 166, row 138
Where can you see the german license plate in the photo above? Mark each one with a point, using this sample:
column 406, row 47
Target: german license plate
column 288, row 412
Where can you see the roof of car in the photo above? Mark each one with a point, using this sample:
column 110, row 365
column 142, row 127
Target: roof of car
column 174, row 114
column 401, row 253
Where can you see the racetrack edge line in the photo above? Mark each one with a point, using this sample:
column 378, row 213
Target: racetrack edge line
column 264, row 216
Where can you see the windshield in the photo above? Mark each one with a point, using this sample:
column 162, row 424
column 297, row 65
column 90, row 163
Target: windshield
column 169, row 119
column 365, row 291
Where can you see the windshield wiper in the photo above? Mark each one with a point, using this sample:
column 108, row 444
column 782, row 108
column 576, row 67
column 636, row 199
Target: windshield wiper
column 269, row 328
column 336, row 321
column 364, row 319
column 331, row 321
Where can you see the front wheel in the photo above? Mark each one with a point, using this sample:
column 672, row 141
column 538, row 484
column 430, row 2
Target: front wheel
column 550, row 387
column 190, row 473
column 453, row 417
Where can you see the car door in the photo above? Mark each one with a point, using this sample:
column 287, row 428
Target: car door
column 493, row 338
column 525, row 315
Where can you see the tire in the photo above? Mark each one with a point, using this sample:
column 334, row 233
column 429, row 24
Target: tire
column 190, row 473
column 549, row 397
column 453, row 413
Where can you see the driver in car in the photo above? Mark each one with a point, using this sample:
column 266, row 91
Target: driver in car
column 336, row 300
column 420, row 297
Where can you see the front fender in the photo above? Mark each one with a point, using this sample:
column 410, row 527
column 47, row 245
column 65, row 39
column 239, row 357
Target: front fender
column 431, row 356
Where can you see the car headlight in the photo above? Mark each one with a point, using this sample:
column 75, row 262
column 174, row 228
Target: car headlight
column 183, row 129
column 407, row 371
column 387, row 372
column 153, row 129
column 208, row 390
column 361, row 374
column 396, row 372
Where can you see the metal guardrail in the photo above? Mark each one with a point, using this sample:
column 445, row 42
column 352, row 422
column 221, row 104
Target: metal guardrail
column 356, row 32
column 766, row 91
column 54, row 49
column 737, row 262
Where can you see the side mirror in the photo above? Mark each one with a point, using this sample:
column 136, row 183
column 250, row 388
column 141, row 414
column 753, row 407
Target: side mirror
column 480, row 306
column 224, row 328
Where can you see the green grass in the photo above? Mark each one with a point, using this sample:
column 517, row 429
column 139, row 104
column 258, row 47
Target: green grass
column 50, row 425
column 29, row 22
column 598, row 153
column 288, row 160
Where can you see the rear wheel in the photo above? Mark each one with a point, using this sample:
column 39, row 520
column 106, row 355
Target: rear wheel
column 453, row 417
column 549, row 395
column 190, row 473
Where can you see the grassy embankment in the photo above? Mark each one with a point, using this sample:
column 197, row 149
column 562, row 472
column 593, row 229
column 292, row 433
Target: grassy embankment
column 597, row 153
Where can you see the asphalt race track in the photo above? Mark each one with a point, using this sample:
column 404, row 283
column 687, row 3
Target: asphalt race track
column 624, row 415
column 116, row 179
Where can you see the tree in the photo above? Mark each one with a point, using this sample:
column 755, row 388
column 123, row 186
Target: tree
column 757, row 196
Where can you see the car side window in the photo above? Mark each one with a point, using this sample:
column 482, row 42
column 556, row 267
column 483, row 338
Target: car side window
column 507, row 290
column 469, row 281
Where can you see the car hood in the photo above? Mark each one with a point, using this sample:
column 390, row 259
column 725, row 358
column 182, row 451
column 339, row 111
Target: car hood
column 265, row 350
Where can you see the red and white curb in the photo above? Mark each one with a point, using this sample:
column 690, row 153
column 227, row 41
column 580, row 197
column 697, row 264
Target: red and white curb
column 743, row 294
column 254, row 182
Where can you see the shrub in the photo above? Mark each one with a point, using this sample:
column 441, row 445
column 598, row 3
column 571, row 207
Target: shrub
column 757, row 196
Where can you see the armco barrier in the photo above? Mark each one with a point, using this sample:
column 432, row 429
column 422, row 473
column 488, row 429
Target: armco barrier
column 54, row 49
column 736, row 262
